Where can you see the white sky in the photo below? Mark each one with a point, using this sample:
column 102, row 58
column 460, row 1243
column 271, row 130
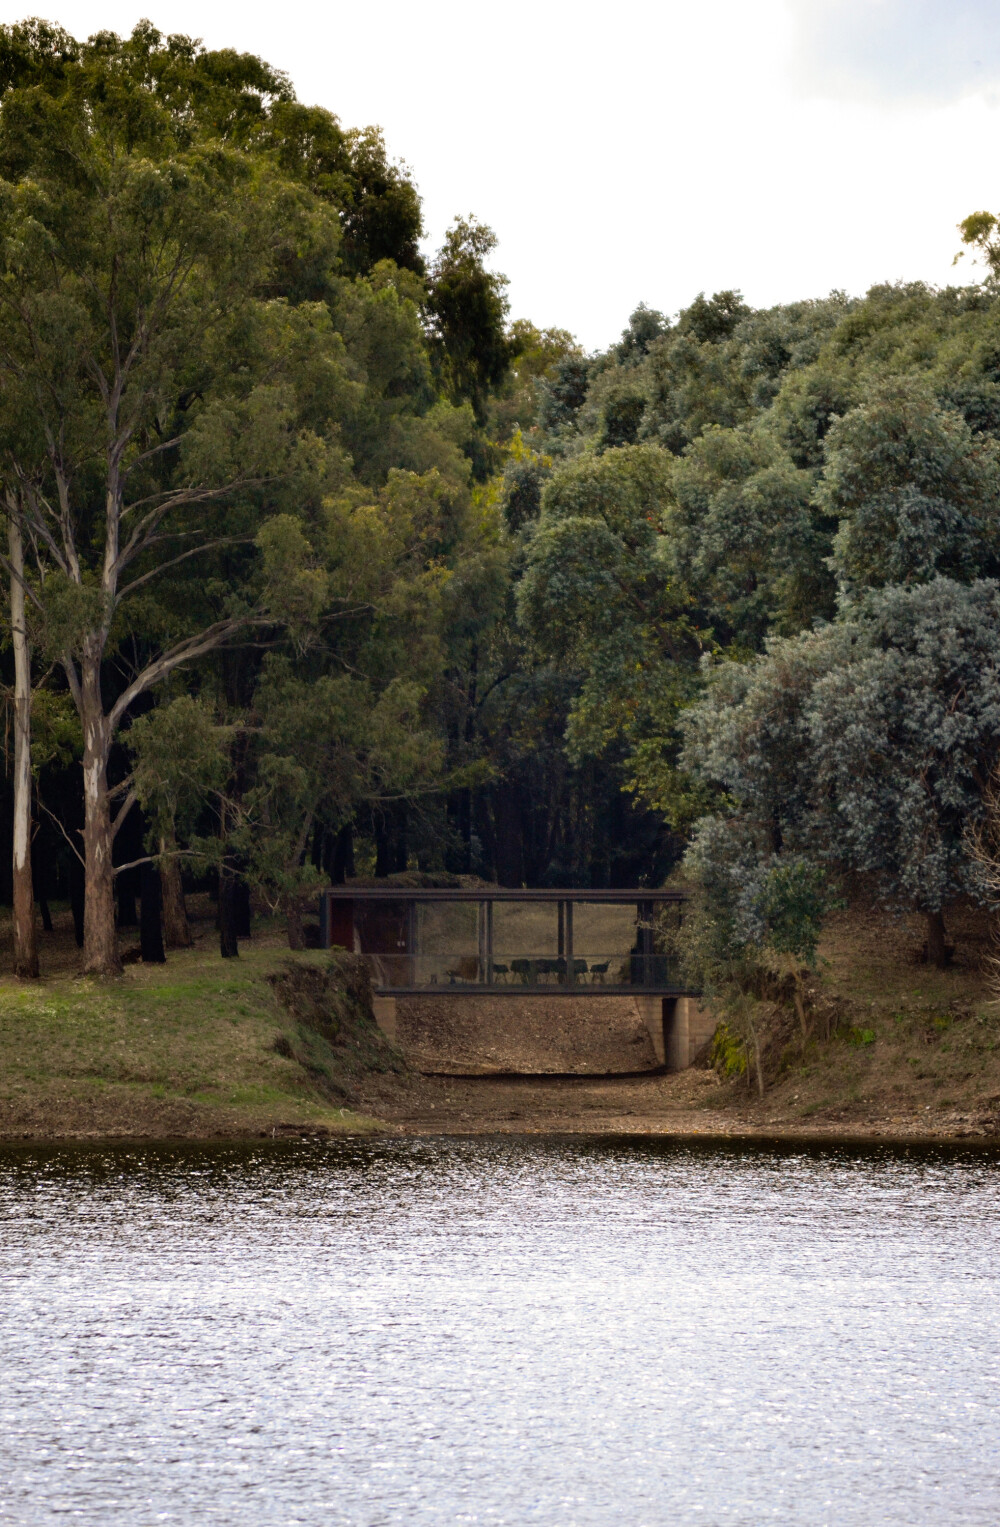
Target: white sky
column 642, row 151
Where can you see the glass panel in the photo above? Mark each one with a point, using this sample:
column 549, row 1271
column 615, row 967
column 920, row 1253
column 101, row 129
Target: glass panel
column 447, row 943
column 381, row 926
column 525, row 930
column 604, row 943
column 436, row 944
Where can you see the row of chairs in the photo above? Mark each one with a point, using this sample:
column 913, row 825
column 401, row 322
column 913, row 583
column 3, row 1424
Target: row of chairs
column 533, row 972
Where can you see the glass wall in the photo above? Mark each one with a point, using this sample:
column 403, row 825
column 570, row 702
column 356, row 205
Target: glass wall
column 514, row 944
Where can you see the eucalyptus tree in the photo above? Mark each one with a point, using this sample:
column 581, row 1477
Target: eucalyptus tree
column 747, row 538
column 145, row 393
column 600, row 596
column 749, row 908
column 180, row 762
column 467, row 311
column 25, row 942
column 904, row 738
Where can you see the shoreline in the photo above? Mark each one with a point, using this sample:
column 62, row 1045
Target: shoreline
column 738, row 1135
column 368, row 1127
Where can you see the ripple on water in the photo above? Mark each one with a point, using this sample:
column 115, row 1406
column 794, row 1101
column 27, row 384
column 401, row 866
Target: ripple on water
column 499, row 1331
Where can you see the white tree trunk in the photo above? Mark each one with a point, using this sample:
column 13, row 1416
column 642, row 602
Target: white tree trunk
column 101, row 956
column 25, row 942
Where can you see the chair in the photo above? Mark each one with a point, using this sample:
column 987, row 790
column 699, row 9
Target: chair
column 598, row 973
column 501, row 972
column 522, row 970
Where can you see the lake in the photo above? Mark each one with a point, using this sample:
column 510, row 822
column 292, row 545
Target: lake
column 501, row 1331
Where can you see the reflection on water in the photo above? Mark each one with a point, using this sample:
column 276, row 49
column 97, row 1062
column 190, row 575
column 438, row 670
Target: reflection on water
column 499, row 1331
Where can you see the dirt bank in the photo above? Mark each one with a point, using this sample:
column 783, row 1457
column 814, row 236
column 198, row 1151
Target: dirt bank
column 692, row 1102
column 199, row 1048
column 483, row 1036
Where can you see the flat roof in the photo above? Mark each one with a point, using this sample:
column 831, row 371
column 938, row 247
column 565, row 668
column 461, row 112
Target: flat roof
column 629, row 895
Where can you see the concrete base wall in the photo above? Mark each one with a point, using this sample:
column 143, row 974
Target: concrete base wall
column 651, row 1011
column 687, row 1026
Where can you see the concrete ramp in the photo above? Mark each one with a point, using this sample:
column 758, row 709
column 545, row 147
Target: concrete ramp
column 529, row 1035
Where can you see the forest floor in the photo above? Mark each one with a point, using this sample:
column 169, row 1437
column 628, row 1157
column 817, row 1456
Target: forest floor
column 197, row 1048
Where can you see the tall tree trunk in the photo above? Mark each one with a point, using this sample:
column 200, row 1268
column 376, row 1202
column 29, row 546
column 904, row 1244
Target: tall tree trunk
column 295, row 926
column 25, row 944
column 150, row 927
column 509, row 852
column 101, row 956
column 384, row 857
column 228, row 943
column 241, row 908
column 125, row 896
column 342, row 859
column 176, row 931
column 937, row 948
column 798, row 991
column 755, row 1041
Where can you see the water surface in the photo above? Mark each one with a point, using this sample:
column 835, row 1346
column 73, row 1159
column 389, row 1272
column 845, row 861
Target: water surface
column 499, row 1331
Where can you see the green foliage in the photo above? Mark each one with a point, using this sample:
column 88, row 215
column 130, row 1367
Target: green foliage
column 56, row 740
column 864, row 743
column 598, row 595
column 728, row 1054
column 795, row 901
column 725, row 586
column 916, row 492
column 747, row 537
column 180, row 759
column 467, row 307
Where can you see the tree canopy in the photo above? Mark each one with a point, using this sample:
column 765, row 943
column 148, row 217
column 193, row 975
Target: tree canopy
column 318, row 562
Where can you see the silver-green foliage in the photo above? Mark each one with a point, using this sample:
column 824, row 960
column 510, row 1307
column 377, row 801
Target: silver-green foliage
column 864, row 745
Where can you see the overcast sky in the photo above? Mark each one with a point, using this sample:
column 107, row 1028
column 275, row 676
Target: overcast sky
column 644, row 152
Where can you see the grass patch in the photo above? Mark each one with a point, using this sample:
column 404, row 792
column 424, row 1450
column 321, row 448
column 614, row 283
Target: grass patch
column 181, row 1049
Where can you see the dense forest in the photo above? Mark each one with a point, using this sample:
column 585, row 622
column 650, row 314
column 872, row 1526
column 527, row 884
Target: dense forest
column 320, row 565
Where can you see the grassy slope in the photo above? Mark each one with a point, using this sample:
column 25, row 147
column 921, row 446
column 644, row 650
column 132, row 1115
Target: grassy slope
column 910, row 1043
column 184, row 1048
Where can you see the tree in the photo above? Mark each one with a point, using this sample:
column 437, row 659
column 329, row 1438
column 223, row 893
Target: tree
column 916, row 492
column 903, row 742
column 865, row 744
column 467, row 311
column 749, row 908
column 599, row 596
column 129, row 264
column 25, row 944
column 179, row 763
column 747, row 738
column 746, row 538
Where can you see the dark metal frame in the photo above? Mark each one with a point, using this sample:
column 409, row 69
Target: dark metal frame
column 644, row 900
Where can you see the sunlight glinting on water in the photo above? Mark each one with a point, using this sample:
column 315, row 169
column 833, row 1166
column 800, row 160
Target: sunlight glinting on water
column 499, row 1331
